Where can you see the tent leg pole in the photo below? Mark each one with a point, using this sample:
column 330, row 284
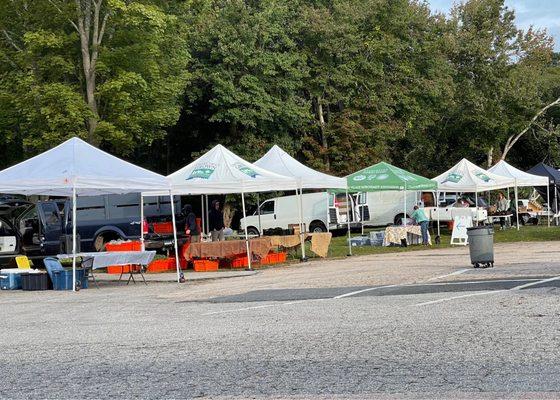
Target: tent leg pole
column 250, row 268
column 259, row 213
column 207, row 212
column 74, row 208
column 302, row 231
column 437, row 210
column 175, row 243
column 348, row 223
column 404, row 210
column 328, row 213
column 556, row 202
column 476, row 206
column 516, row 207
column 202, row 213
column 142, row 248
column 548, row 203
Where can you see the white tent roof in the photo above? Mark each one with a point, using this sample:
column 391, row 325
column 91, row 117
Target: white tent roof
column 468, row 177
column 280, row 162
column 521, row 178
column 78, row 164
column 220, row 171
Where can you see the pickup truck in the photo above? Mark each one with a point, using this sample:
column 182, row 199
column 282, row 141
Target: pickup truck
column 36, row 229
column 448, row 213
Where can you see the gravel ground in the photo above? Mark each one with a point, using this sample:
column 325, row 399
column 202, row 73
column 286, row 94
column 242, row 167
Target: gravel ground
column 168, row 341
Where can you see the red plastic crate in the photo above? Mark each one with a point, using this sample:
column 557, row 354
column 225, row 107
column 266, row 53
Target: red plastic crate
column 117, row 269
column 160, row 265
column 282, row 257
column 240, row 262
column 205, row 265
column 124, row 246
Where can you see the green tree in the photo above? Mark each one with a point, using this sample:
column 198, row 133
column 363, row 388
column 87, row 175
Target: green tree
column 109, row 71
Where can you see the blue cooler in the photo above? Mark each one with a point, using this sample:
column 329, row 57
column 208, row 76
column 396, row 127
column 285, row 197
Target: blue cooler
column 10, row 278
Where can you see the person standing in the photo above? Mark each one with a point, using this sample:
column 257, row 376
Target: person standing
column 421, row 219
column 216, row 222
column 502, row 208
column 191, row 228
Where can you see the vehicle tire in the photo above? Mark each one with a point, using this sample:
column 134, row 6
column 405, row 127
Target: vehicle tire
column 102, row 239
column 317, row 227
column 252, row 231
column 535, row 221
column 99, row 243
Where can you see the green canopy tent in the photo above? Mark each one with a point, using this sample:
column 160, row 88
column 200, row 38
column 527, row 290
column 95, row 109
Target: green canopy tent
column 384, row 177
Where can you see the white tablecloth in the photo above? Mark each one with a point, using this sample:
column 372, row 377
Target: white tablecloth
column 105, row 259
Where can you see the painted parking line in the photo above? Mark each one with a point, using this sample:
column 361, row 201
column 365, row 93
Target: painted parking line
column 342, row 296
column 239, row 309
column 535, row 283
column 461, row 271
column 364, row 290
column 427, row 303
column 524, row 286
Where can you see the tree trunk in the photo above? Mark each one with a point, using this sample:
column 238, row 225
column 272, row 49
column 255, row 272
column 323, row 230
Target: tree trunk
column 91, row 28
column 514, row 138
column 322, row 127
column 489, row 157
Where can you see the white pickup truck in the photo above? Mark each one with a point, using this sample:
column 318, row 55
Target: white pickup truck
column 449, row 213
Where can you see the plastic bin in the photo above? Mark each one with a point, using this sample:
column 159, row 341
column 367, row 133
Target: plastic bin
column 359, row 241
column 481, row 246
column 62, row 279
column 10, row 278
column 35, row 280
column 376, row 238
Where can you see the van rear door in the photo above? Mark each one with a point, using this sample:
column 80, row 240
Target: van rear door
column 8, row 239
column 51, row 224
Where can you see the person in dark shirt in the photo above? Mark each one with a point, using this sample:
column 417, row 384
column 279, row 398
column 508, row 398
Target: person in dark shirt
column 191, row 228
column 216, row 222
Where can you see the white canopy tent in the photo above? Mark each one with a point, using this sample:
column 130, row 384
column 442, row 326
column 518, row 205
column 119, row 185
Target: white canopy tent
column 521, row 179
column 280, row 162
column 220, row 171
column 468, row 177
column 76, row 168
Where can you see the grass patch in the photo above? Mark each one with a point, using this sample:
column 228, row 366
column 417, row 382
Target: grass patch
column 530, row 233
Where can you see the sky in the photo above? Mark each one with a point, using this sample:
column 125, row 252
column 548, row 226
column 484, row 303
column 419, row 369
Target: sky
column 539, row 13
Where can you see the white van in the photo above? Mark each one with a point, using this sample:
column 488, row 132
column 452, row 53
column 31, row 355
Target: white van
column 387, row 207
column 283, row 212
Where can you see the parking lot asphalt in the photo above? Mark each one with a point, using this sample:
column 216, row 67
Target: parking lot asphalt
column 365, row 327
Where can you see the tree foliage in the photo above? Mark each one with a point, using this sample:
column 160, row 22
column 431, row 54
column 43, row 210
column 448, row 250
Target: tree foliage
column 341, row 84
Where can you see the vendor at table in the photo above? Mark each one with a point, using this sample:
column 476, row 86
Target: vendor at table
column 421, row 219
column 216, row 222
column 502, row 207
column 191, row 228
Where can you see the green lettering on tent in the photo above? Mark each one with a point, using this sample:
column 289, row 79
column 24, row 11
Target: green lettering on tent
column 453, row 177
column 203, row 171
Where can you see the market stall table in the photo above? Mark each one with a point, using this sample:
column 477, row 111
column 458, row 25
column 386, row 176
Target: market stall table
column 227, row 248
column 411, row 233
column 122, row 258
column 497, row 217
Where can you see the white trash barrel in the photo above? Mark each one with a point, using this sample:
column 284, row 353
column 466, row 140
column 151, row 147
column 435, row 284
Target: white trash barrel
column 481, row 246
